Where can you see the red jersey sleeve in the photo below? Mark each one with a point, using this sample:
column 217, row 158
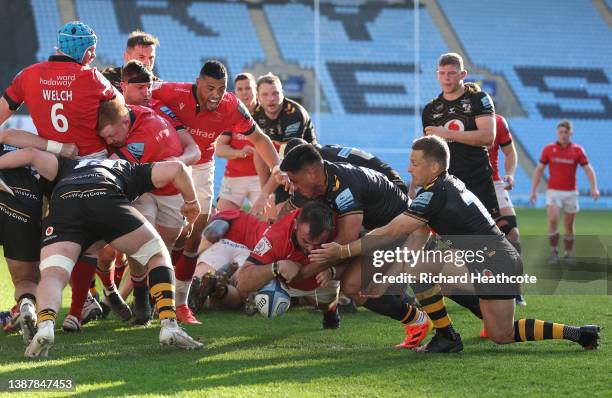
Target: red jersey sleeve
column 582, row 159
column 242, row 121
column 14, row 93
column 503, row 131
column 545, row 156
column 101, row 85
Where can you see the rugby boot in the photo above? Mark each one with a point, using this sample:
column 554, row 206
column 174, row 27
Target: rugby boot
column 27, row 319
column 71, row 324
column 142, row 306
column 42, row 341
column 415, row 334
column 331, row 319
column 113, row 300
column 442, row 344
column 172, row 335
column 184, row 315
column 91, row 310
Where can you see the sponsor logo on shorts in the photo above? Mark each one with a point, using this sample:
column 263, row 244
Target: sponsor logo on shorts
column 487, row 272
column 48, row 231
column 262, row 247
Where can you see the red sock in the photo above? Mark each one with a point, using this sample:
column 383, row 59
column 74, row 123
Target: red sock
column 80, row 280
column 107, row 277
column 185, row 268
column 554, row 240
column 176, row 255
column 119, row 271
column 568, row 243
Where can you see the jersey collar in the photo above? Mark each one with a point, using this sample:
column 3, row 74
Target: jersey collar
column 194, row 92
column 62, row 58
column 431, row 184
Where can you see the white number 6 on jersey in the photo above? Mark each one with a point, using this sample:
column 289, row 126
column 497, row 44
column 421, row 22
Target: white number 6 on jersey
column 59, row 121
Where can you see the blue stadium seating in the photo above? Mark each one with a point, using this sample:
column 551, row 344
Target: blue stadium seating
column 367, row 61
column 551, row 83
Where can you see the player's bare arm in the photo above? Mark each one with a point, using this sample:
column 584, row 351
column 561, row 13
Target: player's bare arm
column 537, row 177
column 191, row 150
column 592, row 177
column 5, row 110
column 510, row 162
column 176, row 172
column 225, row 150
column 252, row 276
column 23, row 139
column 402, row 225
column 44, row 162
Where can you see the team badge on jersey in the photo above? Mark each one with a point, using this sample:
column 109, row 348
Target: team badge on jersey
column 136, row 149
column 262, row 247
column 454, row 125
column 345, row 200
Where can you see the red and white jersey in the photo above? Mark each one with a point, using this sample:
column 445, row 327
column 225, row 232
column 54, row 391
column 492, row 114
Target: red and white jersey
column 562, row 163
column 63, row 98
column 151, row 138
column 245, row 228
column 205, row 126
column 280, row 243
column 241, row 167
column 503, row 137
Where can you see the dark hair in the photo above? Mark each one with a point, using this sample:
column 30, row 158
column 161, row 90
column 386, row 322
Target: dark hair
column 318, row 216
column 136, row 70
column 140, row 38
column 244, row 76
column 292, row 143
column 451, row 59
column 213, row 68
column 434, row 149
column 565, row 123
column 268, row 78
column 300, row 156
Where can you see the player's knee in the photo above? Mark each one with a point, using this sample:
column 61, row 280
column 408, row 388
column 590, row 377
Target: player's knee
column 155, row 248
column 106, row 256
column 500, row 335
column 57, row 261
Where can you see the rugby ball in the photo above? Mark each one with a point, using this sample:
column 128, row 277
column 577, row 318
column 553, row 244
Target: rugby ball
column 273, row 299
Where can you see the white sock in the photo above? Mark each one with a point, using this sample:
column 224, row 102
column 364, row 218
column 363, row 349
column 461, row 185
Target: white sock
column 182, row 292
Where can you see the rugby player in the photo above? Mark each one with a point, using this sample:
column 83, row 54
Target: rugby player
column 281, row 119
column 63, row 95
column 229, row 237
column 242, row 179
column 20, row 216
column 284, row 249
column 362, row 198
column 140, row 46
column 446, row 205
column 563, row 157
column 207, row 110
column 89, row 203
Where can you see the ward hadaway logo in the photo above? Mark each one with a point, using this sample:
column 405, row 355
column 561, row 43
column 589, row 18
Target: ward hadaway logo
column 49, row 231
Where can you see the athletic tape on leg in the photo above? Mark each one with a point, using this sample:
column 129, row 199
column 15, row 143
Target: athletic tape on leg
column 57, row 260
column 148, row 250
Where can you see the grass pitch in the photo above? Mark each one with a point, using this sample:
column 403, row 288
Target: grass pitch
column 293, row 356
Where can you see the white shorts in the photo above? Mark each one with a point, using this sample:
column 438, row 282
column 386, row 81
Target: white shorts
column 204, row 181
column 161, row 209
column 503, row 196
column 324, row 295
column 224, row 252
column 566, row 200
column 236, row 189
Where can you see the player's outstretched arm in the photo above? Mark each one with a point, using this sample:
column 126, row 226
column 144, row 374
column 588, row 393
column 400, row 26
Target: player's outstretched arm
column 191, row 150
column 176, row 172
column 537, row 177
column 590, row 173
column 45, row 163
column 402, row 225
column 26, row 139
column 264, row 147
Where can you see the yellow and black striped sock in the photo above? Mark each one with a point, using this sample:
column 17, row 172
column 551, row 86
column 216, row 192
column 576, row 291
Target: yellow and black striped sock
column 412, row 314
column 46, row 315
column 534, row 329
column 432, row 303
column 161, row 285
